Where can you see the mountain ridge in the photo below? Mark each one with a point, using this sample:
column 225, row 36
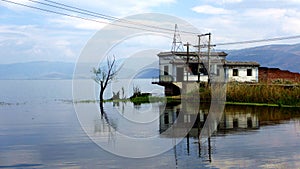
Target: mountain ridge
column 285, row 57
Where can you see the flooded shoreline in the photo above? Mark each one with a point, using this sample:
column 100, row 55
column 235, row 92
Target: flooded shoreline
column 45, row 133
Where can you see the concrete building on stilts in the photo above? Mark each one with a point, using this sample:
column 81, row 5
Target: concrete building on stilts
column 178, row 67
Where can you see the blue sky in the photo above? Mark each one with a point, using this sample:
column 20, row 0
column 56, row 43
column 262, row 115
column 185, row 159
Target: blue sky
column 33, row 35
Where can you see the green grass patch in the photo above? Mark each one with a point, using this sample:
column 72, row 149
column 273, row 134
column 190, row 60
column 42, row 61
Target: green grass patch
column 252, row 104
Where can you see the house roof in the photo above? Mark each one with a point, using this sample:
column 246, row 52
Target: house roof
column 183, row 61
column 213, row 54
column 234, row 63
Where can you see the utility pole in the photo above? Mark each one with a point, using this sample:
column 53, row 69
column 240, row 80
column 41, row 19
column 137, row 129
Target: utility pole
column 208, row 53
column 199, row 52
column 187, row 59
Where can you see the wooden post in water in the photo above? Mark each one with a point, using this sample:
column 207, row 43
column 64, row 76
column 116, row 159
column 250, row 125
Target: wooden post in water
column 188, row 143
column 209, row 149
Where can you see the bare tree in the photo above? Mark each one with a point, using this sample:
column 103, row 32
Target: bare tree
column 103, row 75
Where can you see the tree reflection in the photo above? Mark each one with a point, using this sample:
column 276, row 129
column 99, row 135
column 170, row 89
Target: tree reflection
column 244, row 120
column 104, row 126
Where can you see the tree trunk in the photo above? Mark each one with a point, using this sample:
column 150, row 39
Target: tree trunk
column 101, row 92
column 101, row 109
column 101, row 95
column 101, row 102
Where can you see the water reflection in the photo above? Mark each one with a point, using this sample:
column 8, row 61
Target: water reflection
column 235, row 120
column 105, row 127
column 246, row 124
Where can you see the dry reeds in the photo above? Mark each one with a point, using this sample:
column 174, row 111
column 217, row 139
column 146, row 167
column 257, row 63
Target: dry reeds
column 263, row 93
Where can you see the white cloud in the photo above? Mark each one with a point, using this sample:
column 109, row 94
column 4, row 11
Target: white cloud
column 259, row 13
column 284, row 1
column 228, row 20
column 279, row 20
column 140, row 6
column 232, row 1
column 292, row 26
column 65, row 21
column 207, row 9
column 31, row 43
column 119, row 7
column 222, row 2
column 250, row 24
column 16, row 5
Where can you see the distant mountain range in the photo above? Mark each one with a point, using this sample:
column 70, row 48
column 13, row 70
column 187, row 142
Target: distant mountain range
column 285, row 57
column 37, row 70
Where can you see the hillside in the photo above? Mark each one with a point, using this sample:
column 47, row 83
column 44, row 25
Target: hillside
column 285, row 57
column 37, row 70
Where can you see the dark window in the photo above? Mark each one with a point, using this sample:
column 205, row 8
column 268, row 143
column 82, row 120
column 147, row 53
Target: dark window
column 235, row 123
column 249, row 122
column 193, row 67
column 166, row 70
column 249, row 72
column 235, row 72
column 166, row 118
column 202, row 69
column 218, row 72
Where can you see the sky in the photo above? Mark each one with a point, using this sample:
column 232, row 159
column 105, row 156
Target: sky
column 32, row 35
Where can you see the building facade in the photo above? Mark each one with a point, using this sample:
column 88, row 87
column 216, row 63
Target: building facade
column 241, row 71
column 178, row 67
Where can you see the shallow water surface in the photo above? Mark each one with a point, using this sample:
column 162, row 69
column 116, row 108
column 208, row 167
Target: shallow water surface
column 39, row 129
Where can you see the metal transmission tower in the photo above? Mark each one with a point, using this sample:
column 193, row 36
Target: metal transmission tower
column 177, row 43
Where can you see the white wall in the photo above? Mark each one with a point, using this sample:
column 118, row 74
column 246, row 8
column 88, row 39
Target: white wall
column 194, row 78
column 242, row 74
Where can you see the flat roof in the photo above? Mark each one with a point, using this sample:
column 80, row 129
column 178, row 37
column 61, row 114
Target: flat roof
column 165, row 54
column 237, row 63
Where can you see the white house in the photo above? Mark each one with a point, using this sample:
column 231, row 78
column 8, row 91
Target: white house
column 241, row 71
column 178, row 67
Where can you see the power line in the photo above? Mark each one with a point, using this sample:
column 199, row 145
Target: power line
column 77, row 10
column 259, row 40
column 111, row 17
column 126, row 23
column 156, row 27
column 79, row 17
column 50, row 11
column 80, row 9
column 94, row 14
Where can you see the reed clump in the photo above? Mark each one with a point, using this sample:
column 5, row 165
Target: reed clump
column 263, row 93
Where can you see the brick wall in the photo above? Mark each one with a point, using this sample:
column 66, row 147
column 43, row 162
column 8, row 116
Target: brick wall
column 269, row 75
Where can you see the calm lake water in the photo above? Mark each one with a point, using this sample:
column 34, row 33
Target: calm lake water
column 39, row 128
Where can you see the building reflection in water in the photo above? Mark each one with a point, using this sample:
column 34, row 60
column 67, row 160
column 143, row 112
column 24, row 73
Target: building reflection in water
column 177, row 120
column 233, row 120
